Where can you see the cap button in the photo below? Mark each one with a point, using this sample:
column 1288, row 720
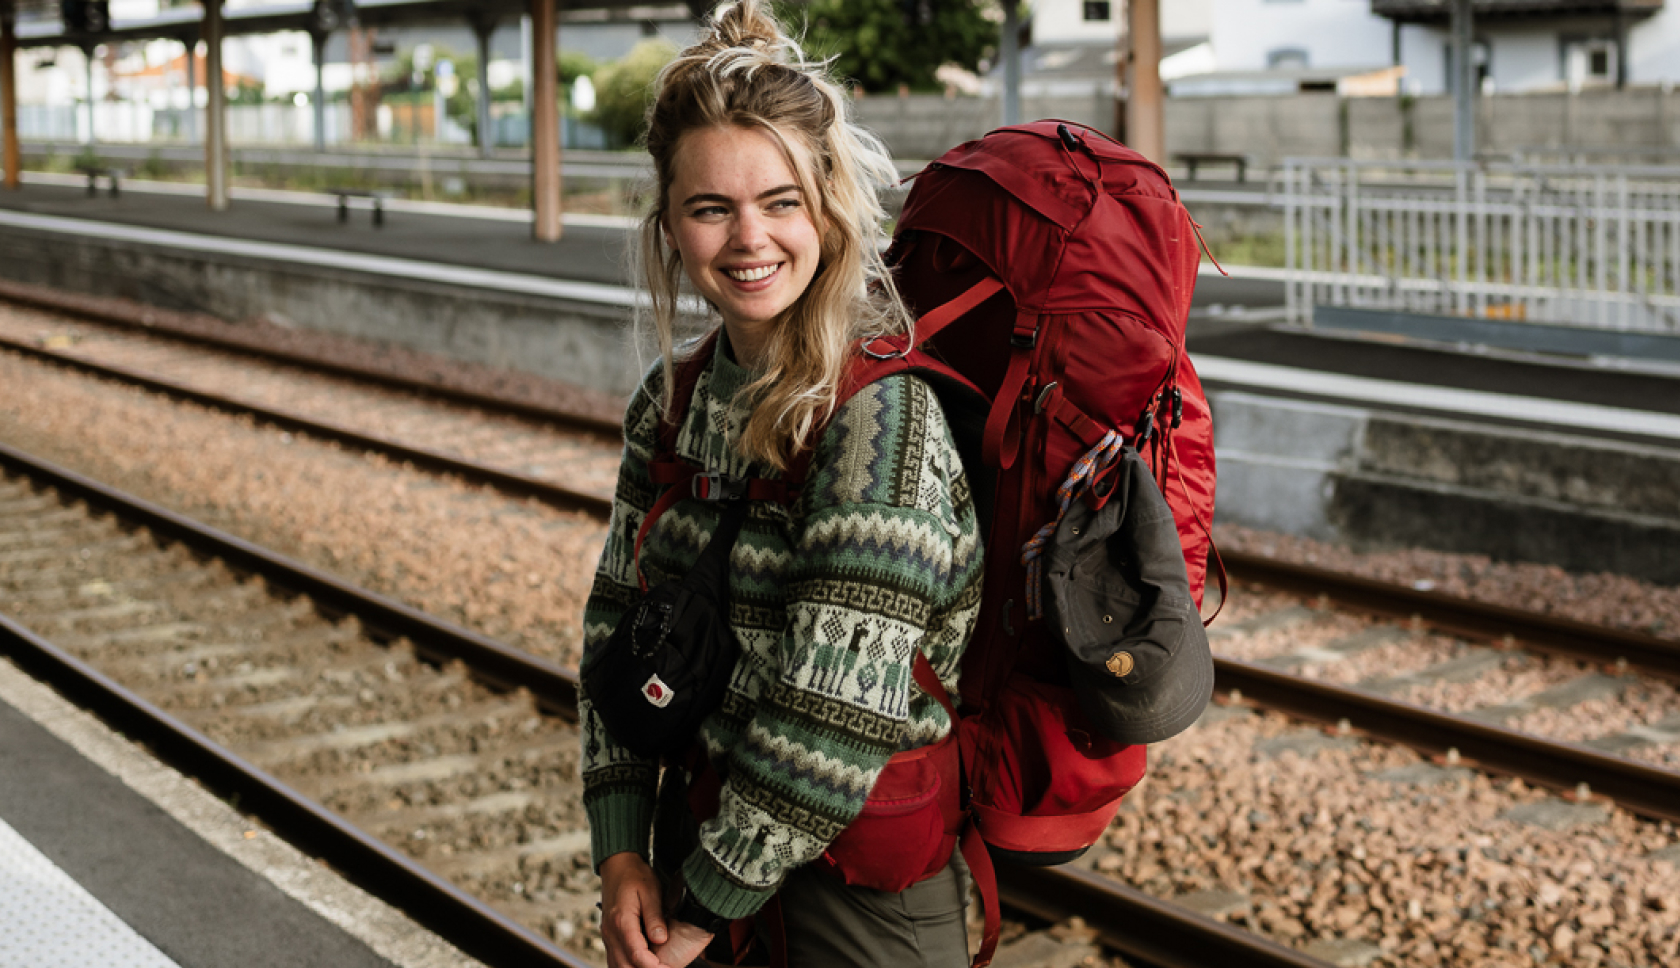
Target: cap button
column 1120, row 664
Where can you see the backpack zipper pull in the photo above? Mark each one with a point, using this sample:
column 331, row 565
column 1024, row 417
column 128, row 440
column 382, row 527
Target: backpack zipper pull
column 1177, row 408
column 1144, row 429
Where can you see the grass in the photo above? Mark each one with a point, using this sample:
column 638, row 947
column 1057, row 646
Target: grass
column 1250, row 250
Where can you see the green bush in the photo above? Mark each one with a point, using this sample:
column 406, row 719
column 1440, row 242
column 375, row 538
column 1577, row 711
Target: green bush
column 623, row 87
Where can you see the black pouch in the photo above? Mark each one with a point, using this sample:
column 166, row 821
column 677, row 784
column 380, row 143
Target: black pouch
column 671, row 657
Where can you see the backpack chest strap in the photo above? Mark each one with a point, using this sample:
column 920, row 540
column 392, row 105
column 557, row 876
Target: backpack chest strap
column 681, row 479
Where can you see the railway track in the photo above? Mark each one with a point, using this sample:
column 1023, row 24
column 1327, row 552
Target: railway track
column 1640, row 788
column 432, row 766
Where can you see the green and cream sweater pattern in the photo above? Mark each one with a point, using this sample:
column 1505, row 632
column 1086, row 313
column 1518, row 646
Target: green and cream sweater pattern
column 879, row 556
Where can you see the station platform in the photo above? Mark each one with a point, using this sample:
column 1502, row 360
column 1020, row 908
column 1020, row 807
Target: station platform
column 110, row 859
column 591, row 250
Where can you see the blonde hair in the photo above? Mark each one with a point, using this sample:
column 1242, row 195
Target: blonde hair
column 747, row 72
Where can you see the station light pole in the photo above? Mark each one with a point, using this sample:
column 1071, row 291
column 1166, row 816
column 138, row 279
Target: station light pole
column 1011, row 53
column 545, row 122
column 1464, row 74
column 87, row 62
column 191, row 43
column 318, row 42
column 11, row 154
column 484, row 27
column 1146, row 129
column 215, row 111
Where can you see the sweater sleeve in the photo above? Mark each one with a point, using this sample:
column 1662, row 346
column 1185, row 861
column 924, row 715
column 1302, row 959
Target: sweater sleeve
column 619, row 787
column 886, row 562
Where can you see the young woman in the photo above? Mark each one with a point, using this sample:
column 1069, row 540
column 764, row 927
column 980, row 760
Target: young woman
column 767, row 206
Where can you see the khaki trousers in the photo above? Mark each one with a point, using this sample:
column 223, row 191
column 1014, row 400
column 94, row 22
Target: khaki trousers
column 830, row 925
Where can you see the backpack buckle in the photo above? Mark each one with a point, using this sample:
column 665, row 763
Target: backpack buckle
column 717, row 487
column 891, row 353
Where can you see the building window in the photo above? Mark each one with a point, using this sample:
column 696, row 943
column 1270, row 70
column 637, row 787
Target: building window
column 1589, row 61
column 1097, row 11
column 1286, row 58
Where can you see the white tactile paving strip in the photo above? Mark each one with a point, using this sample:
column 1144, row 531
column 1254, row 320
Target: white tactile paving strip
column 47, row 920
column 389, row 932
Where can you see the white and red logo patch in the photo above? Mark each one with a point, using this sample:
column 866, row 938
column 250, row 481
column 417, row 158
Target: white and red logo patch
column 657, row 692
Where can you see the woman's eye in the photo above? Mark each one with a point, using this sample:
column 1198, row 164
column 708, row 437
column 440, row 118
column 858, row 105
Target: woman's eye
column 710, row 211
column 784, row 204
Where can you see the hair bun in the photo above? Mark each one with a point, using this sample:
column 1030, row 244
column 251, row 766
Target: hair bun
column 747, row 24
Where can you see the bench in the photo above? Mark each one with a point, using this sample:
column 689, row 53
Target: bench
column 95, row 172
column 1194, row 159
column 344, row 196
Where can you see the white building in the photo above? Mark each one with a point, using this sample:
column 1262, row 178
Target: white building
column 1540, row 45
column 1256, row 46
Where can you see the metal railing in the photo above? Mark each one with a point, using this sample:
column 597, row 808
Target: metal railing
column 1591, row 246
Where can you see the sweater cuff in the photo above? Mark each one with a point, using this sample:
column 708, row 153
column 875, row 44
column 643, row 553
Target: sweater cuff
column 618, row 823
column 717, row 893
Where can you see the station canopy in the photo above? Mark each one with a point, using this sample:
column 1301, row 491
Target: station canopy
column 42, row 23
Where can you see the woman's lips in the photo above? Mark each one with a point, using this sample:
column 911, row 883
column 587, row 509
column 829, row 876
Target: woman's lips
column 754, row 285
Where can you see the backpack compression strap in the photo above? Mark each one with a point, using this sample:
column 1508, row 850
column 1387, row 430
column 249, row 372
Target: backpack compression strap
column 681, row 479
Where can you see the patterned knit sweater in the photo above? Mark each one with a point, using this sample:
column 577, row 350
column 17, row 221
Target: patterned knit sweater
column 879, row 556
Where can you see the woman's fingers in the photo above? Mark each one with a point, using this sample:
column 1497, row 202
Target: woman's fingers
column 630, row 899
column 652, row 917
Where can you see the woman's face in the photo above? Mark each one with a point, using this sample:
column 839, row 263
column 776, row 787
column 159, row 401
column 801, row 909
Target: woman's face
column 737, row 216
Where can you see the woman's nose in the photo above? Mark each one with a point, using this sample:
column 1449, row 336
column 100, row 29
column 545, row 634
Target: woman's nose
column 750, row 231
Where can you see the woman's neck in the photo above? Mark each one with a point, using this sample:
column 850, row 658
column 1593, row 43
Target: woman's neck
column 746, row 343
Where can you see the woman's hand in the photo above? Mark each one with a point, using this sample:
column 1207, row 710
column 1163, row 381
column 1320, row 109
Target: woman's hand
column 630, row 913
column 687, row 943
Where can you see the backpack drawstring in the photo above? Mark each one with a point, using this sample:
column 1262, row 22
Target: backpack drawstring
column 1086, row 470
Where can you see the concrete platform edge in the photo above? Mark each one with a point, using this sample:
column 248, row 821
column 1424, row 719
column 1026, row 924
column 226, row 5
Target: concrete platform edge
column 386, row 931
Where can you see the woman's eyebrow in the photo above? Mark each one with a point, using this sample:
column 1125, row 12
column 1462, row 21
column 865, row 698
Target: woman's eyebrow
column 710, row 197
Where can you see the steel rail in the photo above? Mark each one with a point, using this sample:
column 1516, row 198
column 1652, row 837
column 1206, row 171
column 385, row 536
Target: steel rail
column 1641, row 789
column 1140, row 926
column 502, row 665
column 1463, row 617
column 463, row 920
column 517, row 484
column 146, row 320
column 1163, row 933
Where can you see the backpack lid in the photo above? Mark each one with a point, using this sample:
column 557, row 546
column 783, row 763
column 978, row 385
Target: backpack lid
column 1066, row 230
column 1119, row 599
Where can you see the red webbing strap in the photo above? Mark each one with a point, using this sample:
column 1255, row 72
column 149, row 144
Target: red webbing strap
column 1218, row 561
column 671, row 496
column 922, row 671
column 943, row 315
column 985, row 881
column 1062, row 410
column 1003, row 425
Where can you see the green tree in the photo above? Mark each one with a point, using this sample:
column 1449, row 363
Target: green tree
column 623, row 87
column 881, row 44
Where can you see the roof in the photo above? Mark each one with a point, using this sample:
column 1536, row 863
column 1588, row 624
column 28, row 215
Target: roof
column 38, row 24
column 1440, row 11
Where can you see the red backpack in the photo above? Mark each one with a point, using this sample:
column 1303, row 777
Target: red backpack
column 1051, row 271
column 1052, row 268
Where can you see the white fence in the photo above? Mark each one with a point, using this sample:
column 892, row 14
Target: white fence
column 1580, row 245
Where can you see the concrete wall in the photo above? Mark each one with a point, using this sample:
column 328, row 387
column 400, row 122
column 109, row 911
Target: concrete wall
column 1271, row 128
column 583, row 344
column 1372, row 479
column 1267, row 128
column 927, row 125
